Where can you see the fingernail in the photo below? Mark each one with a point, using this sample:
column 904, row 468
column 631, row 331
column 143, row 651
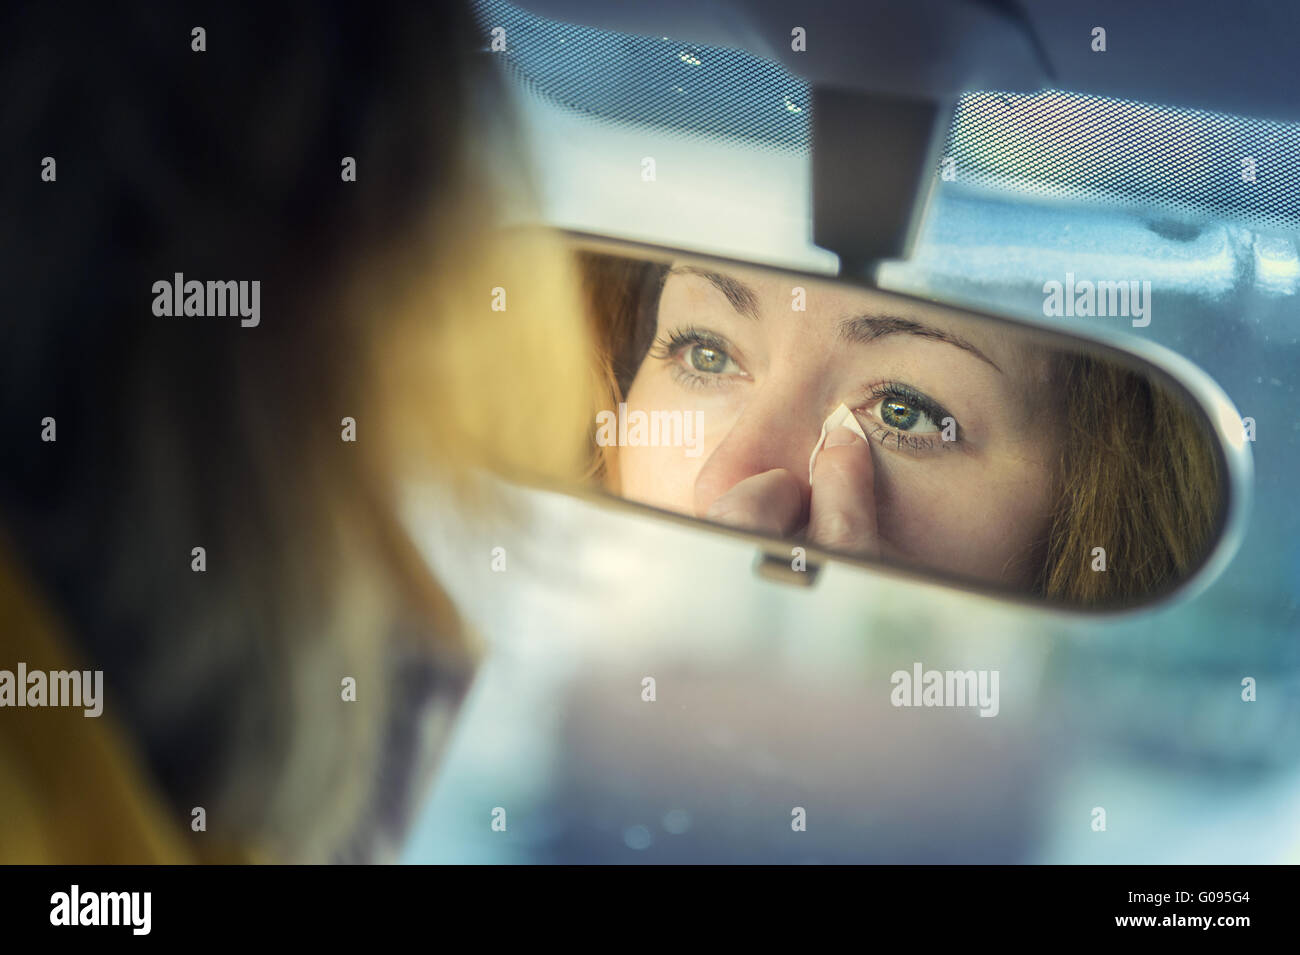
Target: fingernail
column 839, row 437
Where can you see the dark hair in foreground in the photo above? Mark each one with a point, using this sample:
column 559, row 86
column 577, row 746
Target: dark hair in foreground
column 177, row 432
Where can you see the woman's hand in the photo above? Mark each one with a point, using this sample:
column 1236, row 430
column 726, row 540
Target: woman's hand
column 844, row 496
column 841, row 515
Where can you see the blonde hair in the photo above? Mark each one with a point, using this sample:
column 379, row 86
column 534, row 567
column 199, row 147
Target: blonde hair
column 1138, row 478
column 174, row 432
column 621, row 296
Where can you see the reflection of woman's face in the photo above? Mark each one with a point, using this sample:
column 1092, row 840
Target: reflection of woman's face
column 764, row 377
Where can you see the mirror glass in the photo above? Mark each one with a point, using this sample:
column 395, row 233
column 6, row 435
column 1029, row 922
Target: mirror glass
column 856, row 424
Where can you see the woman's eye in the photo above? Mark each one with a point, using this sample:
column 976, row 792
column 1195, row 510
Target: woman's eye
column 698, row 358
column 705, row 358
column 902, row 415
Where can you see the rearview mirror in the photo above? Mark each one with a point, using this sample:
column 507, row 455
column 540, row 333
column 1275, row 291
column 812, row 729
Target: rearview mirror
column 833, row 421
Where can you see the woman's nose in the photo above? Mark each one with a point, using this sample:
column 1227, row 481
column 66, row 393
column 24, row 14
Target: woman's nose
column 774, row 430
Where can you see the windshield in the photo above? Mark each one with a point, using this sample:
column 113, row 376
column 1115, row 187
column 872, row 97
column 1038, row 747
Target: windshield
column 1049, row 187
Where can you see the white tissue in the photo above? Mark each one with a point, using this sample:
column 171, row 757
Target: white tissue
column 841, row 417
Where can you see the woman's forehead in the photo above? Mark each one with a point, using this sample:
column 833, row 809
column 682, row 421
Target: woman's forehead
column 871, row 314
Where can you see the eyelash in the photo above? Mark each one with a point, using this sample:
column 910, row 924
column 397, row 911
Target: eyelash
column 902, row 440
column 669, row 347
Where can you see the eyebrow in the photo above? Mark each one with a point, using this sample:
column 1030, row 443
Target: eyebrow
column 867, row 328
column 858, row 331
column 740, row 295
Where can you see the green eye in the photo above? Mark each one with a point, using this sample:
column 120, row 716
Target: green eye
column 899, row 414
column 704, row 358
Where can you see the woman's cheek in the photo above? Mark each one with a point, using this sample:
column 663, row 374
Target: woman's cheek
column 661, row 477
column 901, row 521
column 931, row 515
column 965, row 520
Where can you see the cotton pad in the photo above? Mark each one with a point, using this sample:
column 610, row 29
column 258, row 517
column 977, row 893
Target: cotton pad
column 841, row 417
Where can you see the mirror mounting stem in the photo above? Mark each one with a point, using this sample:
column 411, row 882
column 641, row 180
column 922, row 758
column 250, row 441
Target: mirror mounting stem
column 875, row 163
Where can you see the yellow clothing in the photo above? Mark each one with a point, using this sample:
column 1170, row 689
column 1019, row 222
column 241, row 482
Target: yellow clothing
column 72, row 790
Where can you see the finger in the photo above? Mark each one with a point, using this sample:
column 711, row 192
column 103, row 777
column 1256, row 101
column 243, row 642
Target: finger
column 770, row 503
column 843, row 508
